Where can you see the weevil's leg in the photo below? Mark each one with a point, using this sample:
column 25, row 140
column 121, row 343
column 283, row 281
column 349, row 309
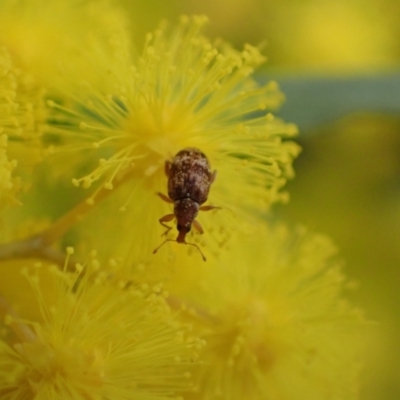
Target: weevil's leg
column 198, row 248
column 164, row 197
column 166, row 218
column 213, row 176
column 198, row 227
column 167, row 167
column 162, row 244
column 208, row 208
column 190, row 244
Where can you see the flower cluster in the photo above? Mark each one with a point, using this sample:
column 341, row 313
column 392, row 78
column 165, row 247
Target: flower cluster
column 22, row 116
column 95, row 338
column 88, row 123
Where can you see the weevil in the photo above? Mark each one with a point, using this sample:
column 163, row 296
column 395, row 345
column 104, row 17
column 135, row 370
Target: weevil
column 189, row 180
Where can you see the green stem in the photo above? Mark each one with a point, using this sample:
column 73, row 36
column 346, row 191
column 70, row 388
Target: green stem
column 38, row 245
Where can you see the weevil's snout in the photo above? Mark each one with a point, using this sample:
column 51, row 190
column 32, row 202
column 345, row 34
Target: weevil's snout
column 185, row 211
column 183, row 231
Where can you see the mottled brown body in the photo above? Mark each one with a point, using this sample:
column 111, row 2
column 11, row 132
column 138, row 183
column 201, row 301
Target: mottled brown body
column 189, row 176
column 189, row 180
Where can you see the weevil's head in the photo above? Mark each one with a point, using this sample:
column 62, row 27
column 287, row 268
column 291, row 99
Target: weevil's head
column 185, row 211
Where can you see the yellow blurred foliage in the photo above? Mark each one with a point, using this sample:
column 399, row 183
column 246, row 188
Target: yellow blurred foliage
column 347, row 186
column 300, row 34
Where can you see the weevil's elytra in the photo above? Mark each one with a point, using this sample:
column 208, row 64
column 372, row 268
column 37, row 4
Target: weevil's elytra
column 189, row 180
column 189, row 176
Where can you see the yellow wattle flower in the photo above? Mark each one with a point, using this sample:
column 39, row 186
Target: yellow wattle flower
column 274, row 319
column 169, row 99
column 183, row 91
column 96, row 338
column 22, row 118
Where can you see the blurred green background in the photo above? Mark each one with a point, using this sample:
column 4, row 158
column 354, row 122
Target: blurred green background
column 339, row 62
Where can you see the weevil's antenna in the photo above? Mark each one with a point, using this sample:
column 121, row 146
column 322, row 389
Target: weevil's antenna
column 190, row 244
